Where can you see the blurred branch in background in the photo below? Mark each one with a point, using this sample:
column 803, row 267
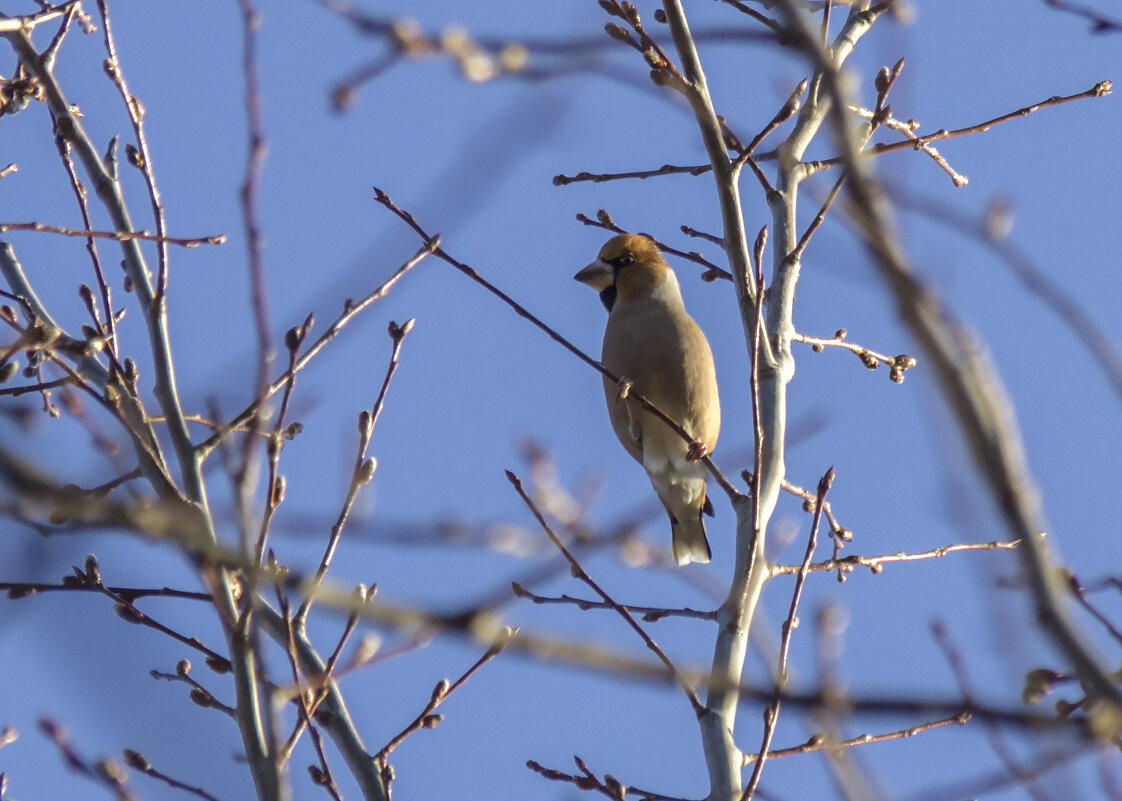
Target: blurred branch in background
column 1099, row 21
column 480, row 59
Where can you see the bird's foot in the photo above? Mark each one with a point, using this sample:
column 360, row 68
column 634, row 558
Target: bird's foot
column 697, row 451
column 623, row 389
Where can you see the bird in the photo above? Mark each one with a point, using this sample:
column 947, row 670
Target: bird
column 655, row 349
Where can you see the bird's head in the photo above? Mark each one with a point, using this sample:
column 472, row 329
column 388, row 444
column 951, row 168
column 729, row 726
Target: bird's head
column 629, row 265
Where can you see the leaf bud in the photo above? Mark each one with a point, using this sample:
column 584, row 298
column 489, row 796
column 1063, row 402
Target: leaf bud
column 366, row 471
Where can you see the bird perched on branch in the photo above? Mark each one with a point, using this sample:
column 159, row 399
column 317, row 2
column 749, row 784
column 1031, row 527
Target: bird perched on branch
column 657, row 351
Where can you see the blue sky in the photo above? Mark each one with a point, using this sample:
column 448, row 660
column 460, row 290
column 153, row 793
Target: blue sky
column 476, row 383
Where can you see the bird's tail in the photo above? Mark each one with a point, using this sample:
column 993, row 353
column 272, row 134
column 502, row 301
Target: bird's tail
column 689, row 542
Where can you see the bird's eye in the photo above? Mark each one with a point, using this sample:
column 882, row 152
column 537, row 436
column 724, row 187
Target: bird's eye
column 624, row 260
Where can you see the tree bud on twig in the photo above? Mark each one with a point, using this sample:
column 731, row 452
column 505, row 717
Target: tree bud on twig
column 882, row 81
column 317, row 775
column 279, row 486
column 93, row 571
column 398, row 332
column 366, row 471
column 618, row 32
column 133, row 156
column 136, row 761
column 219, row 664
column 128, row 613
column 611, row 8
column 111, row 771
column 615, row 787
column 631, row 14
column 292, row 338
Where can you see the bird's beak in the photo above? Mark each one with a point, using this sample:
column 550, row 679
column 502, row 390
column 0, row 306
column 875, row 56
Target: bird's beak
column 597, row 275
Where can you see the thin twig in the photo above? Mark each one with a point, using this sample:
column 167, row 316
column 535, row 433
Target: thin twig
column 350, row 310
column 908, row 130
column 118, row 236
column 819, row 218
column 109, row 328
column 105, row 772
column 136, row 761
column 771, row 713
column 1080, row 594
column 139, row 156
column 321, row 774
column 256, row 150
column 876, row 563
column 361, row 473
column 665, row 169
column 1100, row 89
column 821, row 743
column 440, row 693
column 580, row 573
column 586, row 780
column 275, row 481
column 650, row 614
column 870, row 358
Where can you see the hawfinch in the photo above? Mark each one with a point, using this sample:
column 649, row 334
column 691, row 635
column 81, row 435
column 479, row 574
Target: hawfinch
column 652, row 342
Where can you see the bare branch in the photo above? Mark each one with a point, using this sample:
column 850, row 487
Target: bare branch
column 119, row 236
column 581, row 574
column 876, row 563
column 1100, row 89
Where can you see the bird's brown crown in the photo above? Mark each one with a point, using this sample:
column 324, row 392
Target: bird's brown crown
column 637, row 265
column 633, row 247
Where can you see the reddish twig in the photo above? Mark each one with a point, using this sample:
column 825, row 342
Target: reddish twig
column 650, row 614
column 135, row 760
column 609, row 786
